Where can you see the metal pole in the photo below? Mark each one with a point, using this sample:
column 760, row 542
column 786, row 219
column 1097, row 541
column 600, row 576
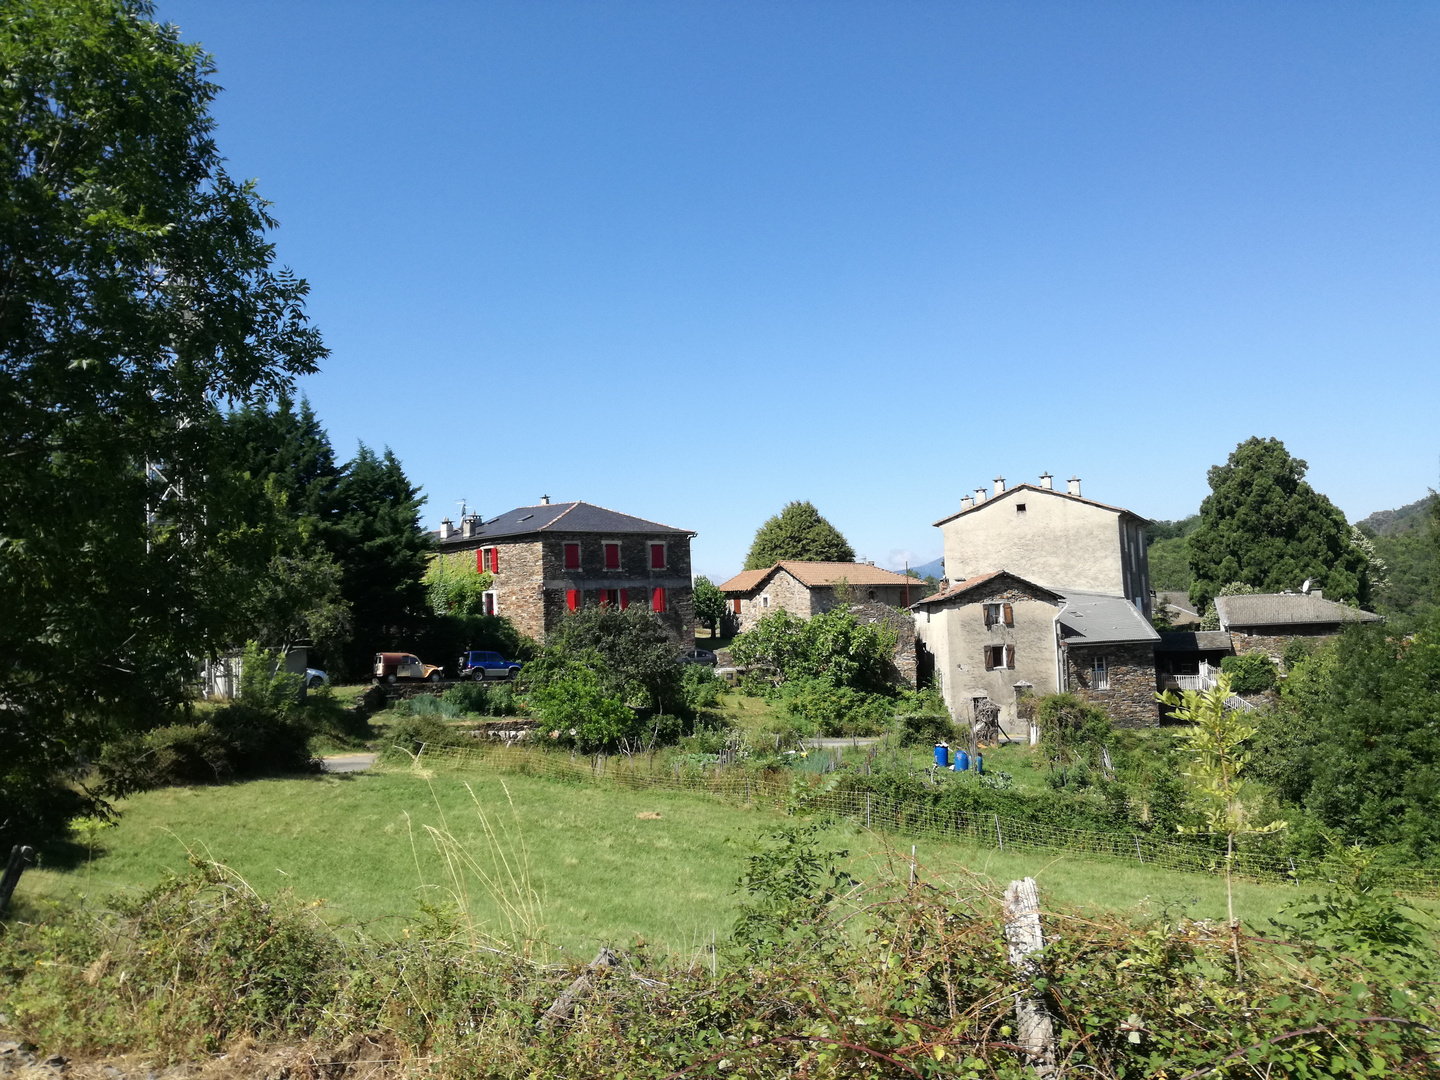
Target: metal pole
column 998, row 835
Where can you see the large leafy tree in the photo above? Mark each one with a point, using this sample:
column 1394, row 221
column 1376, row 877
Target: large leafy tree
column 798, row 532
column 373, row 530
column 1262, row 525
column 137, row 293
column 710, row 604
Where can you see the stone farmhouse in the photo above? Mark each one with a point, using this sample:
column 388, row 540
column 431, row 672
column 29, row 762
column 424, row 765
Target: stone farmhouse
column 1046, row 591
column 808, row 588
column 554, row 558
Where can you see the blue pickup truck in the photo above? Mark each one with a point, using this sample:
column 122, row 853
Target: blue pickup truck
column 480, row 666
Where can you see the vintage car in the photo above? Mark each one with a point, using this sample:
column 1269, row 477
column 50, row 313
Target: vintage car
column 390, row 666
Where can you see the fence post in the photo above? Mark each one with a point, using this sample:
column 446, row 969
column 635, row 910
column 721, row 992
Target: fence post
column 998, row 834
column 867, row 809
column 1137, row 851
column 1035, row 1028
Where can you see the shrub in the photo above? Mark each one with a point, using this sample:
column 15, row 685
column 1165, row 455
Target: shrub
column 924, row 728
column 414, row 731
column 1296, row 651
column 1072, row 731
column 701, row 686
column 834, row 646
column 1250, row 673
column 575, row 710
column 835, row 711
column 428, row 705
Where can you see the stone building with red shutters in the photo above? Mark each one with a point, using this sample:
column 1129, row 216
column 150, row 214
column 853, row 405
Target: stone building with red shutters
column 548, row 560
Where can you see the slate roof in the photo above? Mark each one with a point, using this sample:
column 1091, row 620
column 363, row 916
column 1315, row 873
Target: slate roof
column 1097, row 619
column 568, row 517
column 1286, row 609
column 1037, row 490
column 819, row 574
column 1194, row 641
column 961, row 587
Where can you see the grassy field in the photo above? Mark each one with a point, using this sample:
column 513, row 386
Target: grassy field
column 600, row 871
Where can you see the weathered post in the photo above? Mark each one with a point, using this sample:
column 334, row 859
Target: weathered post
column 1034, row 1028
column 21, row 856
column 565, row 1004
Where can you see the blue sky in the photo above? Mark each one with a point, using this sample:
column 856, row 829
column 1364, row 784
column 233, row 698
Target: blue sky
column 694, row 260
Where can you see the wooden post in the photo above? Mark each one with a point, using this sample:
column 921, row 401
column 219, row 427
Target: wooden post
column 565, row 1004
column 867, row 809
column 21, row 856
column 1035, row 1030
column 998, row 835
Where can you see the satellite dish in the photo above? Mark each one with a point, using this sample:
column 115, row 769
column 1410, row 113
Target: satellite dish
column 1306, row 587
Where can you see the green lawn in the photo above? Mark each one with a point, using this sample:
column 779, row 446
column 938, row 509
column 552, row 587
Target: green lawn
column 601, row 873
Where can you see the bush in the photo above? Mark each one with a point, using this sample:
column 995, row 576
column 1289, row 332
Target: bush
column 482, row 699
column 702, row 687
column 925, row 729
column 1296, row 651
column 414, row 731
column 1249, row 674
column 574, row 710
column 835, row 711
column 834, row 646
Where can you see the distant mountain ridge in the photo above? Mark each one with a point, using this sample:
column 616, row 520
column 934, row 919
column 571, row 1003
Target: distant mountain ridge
column 933, row 568
column 1394, row 522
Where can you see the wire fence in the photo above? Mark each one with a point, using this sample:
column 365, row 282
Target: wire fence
column 794, row 794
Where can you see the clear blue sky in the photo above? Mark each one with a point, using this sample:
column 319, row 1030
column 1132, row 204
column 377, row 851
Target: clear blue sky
column 693, row 260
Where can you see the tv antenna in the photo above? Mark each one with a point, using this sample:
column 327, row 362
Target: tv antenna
column 463, row 508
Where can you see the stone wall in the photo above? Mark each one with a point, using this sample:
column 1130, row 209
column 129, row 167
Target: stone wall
column 1130, row 700
column 903, row 623
column 1272, row 645
column 783, row 591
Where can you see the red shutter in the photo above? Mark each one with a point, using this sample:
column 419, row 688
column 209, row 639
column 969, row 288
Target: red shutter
column 657, row 602
column 624, row 599
column 480, row 560
column 657, row 556
column 572, row 597
column 572, row 557
column 612, row 556
column 495, row 560
column 1009, row 615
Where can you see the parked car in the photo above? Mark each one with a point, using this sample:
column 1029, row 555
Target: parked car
column 479, row 665
column 315, row 678
column 697, row 656
column 390, row 666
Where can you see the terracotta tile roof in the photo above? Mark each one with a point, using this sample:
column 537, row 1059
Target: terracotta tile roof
column 821, row 574
column 965, row 586
column 1039, row 491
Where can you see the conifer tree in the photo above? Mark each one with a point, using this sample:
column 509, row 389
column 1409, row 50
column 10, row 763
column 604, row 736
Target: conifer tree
column 798, row 532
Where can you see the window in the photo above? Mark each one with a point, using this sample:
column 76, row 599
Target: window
column 488, row 599
column 872, row 594
column 657, row 556
column 657, row 601
column 765, row 600
column 1019, row 508
column 996, row 614
column 488, row 559
column 999, row 656
column 612, row 556
column 572, row 597
column 737, row 605
column 1100, row 675
column 610, row 597
column 572, row 558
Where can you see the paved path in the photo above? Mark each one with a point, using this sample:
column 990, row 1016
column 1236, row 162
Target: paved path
column 348, row 762
column 831, row 744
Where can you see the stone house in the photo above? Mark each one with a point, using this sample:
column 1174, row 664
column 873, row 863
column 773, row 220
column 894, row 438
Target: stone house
column 1045, row 591
column 808, row 588
column 997, row 636
column 551, row 559
column 1267, row 622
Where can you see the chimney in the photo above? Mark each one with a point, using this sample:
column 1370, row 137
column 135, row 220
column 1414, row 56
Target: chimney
column 979, row 495
column 966, row 502
column 469, row 525
column 1046, row 482
column 999, row 486
column 1075, row 486
column 544, row 500
column 1319, row 594
column 447, row 529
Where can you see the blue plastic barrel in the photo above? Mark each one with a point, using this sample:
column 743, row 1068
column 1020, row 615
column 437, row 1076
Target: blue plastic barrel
column 942, row 755
column 962, row 761
column 980, row 764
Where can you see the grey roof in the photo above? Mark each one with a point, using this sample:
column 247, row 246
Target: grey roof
column 569, row 517
column 1097, row 619
column 1286, row 609
column 1180, row 601
column 1194, row 641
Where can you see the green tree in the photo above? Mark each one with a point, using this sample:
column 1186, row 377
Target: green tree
column 138, row 294
column 634, row 660
column 1170, row 565
column 710, row 604
column 833, row 645
column 798, row 532
column 1072, row 731
column 1263, row 525
column 289, row 449
column 373, row 530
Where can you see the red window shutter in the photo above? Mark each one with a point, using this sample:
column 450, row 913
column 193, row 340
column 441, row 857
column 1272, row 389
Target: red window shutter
column 612, row 556
column 657, row 602
column 1009, row 615
column 1010, row 656
column 480, row 560
column 657, row 556
column 494, row 560
column 572, row 598
column 737, row 605
column 572, row 558
column 624, row 599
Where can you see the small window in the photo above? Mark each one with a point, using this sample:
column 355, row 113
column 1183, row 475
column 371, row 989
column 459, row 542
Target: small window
column 572, row 598
column 489, row 603
column 1019, row 508
column 765, row 600
column 610, row 597
column 994, row 614
column 657, row 556
column 1100, row 675
column 994, row 657
column 872, row 594
column 612, row 556
column 737, row 605
column 657, row 601
column 572, row 558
